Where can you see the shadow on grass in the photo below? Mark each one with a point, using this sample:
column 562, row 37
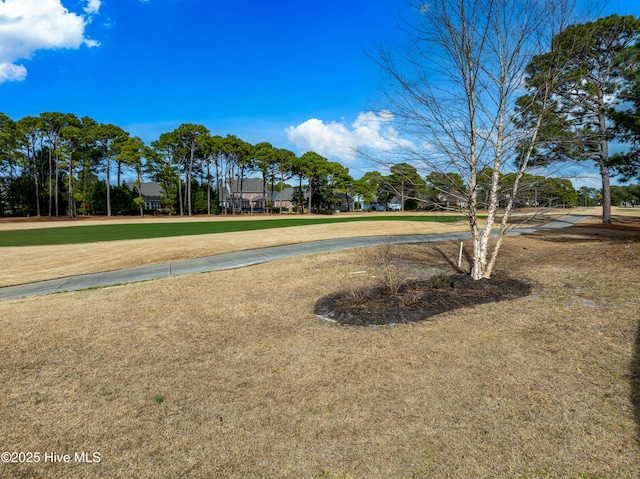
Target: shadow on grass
column 583, row 235
column 446, row 257
column 635, row 384
column 449, row 259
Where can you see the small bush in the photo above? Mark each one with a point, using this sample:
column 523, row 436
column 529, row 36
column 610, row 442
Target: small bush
column 439, row 280
column 411, row 296
column 388, row 267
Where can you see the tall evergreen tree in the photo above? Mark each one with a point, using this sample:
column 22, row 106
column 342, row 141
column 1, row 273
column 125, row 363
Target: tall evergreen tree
column 107, row 136
column 584, row 92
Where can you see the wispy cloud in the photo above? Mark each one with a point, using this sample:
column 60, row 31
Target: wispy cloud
column 370, row 131
column 30, row 25
column 92, row 7
column 11, row 72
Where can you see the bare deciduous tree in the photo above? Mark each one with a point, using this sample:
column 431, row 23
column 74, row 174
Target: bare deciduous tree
column 454, row 91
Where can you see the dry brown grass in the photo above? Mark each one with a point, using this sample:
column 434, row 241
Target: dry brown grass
column 255, row 385
column 61, row 221
column 39, row 263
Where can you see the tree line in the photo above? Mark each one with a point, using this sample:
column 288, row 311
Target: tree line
column 448, row 191
column 57, row 163
column 51, row 165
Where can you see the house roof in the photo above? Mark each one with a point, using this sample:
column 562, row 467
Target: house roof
column 287, row 195
column 343, row 196
column 249, row 185
column 153, row 191
column 148, row 190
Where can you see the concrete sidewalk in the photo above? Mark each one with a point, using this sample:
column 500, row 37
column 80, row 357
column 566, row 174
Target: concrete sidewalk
column 243, row 258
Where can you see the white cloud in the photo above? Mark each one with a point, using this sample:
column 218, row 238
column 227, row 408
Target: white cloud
column 30, row 25
column 11, row 72
column 370, row 131
column 93, row 6
column 327, row 139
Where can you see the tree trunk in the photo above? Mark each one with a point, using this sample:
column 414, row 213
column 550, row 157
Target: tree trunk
column 604, row 159
column 56, row 183
column 264, row 192
column 108, row 186
column 36, row 182
column 85, row 168
column 37, row 195
column 300, row 186
column 218, row 187
column 479, row 258
column 180, row 204
column 281, row 186
column 232, row 194
column 188, row 192
column 241, row 186
column 50, row 182
column 71, row 204
column 188, row 188
column 141, row 204
column 209, row 186
column 606, row 193
column 229, row 180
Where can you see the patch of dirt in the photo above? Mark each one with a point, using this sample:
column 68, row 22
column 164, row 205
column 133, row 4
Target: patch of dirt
column 417, row 300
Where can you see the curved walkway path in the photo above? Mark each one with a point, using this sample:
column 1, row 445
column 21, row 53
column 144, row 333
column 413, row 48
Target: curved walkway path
column 243, row 258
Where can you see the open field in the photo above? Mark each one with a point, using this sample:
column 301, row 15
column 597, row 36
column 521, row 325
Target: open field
column 230, row 374
column 39, row 263
column 22, row 223
column 138, row 229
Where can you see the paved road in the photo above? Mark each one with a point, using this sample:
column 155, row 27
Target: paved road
column 242, row 258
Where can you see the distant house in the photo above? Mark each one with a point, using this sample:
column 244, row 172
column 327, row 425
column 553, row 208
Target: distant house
column 394, row 204
column 249, row 197
column 252, row 199
column 451, row 198
column 151, row 194
column 344, row 202
column 244, row 195
column 283, row 199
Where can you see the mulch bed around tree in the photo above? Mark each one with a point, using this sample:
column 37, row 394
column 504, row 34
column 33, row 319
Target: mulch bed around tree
column 417, row 300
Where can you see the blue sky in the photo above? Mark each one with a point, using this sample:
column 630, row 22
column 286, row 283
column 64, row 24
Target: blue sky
column 293, row 73
column 249, row 68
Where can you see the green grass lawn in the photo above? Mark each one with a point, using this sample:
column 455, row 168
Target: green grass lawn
column 94, row 233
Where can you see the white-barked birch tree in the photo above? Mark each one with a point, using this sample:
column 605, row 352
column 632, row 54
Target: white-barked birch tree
column 454, row 91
